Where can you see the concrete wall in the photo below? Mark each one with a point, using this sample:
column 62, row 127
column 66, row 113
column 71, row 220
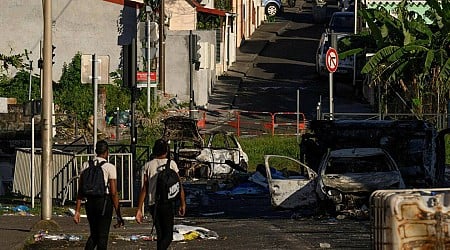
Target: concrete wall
column 177, row 66
column 182, row 15
column 78, row 26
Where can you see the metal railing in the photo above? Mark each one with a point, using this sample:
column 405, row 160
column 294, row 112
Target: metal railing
column 65, row 172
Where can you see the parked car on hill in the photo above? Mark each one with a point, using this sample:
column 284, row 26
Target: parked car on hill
column 272, row 7
column 341, row 22
column 345, row 65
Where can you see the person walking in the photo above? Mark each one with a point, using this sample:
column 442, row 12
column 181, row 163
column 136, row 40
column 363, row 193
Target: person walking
column 99, row 208
column 162, row 212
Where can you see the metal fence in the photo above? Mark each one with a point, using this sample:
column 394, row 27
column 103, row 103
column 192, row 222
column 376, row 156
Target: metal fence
column 65, row 172
column 247, row 123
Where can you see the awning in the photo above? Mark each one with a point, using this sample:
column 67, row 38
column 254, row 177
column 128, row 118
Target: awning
column 210, row 11
column 200, row 8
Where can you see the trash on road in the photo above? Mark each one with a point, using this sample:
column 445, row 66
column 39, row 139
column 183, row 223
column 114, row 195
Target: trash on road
column 44, row 235
column 180, row 233
column 192, row 232
column 324, row 245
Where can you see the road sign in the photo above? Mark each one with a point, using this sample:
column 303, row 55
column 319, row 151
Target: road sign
column 102, row 65
column 141, row 76
column 141, row 79
column 331, row 60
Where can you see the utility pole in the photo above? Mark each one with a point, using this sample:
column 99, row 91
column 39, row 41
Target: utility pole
column 162, row 48
column 46, row 127
column 148, row 11
column 132, row 84
column 192, row 51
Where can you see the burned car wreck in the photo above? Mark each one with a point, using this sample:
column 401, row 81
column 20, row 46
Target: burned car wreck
column 347, row 177
column 346, row 160
column 345, row 180
column 208, row 155
column 415, row 145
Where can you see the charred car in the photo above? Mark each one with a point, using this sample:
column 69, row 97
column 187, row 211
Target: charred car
column 206, row 155
column 415, row 145
column 347, row 177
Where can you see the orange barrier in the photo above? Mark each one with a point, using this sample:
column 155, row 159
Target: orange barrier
column 287, row 122
column 252, row 122
column 247, row 122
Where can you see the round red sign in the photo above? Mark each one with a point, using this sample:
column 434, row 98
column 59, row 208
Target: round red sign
column 331, row 60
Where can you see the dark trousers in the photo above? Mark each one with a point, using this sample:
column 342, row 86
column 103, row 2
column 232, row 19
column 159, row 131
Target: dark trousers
column 163, row 217
column 99, row 214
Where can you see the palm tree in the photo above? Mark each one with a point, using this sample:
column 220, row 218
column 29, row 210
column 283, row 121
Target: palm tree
column 411, row 57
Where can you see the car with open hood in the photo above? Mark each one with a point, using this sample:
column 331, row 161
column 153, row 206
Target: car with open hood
column 203, row 155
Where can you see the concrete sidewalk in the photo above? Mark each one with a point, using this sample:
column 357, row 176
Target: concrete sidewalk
column 226, row 87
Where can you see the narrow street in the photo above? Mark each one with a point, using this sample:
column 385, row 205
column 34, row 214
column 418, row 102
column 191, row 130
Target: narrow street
column 287, row 64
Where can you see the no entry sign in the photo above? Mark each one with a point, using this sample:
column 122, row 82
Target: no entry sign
column 331, row 60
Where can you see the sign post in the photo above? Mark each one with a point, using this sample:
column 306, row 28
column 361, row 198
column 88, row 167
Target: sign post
column 95, row 70
column 331, row 61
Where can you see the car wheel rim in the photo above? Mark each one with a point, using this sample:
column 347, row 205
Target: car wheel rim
column 271, row 10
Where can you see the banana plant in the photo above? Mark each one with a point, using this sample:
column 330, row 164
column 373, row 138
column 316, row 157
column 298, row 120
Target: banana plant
column 411, row 56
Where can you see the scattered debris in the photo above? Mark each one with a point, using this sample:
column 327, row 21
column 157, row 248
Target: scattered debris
column 21, row 208
column 324, row 245
column 72, row 213
column 202, row 232
column 247, row 188
column 180, row 233
column 44, row 235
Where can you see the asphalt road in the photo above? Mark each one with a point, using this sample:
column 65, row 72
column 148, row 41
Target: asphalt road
column 240, row 221
column 276, row 62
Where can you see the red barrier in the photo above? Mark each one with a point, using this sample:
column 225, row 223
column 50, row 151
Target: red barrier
column 252, row 122
column 247, row 122
column 287, row 121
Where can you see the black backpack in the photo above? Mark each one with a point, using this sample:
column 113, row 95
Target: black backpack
column 92, row 181
column 168, row 185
